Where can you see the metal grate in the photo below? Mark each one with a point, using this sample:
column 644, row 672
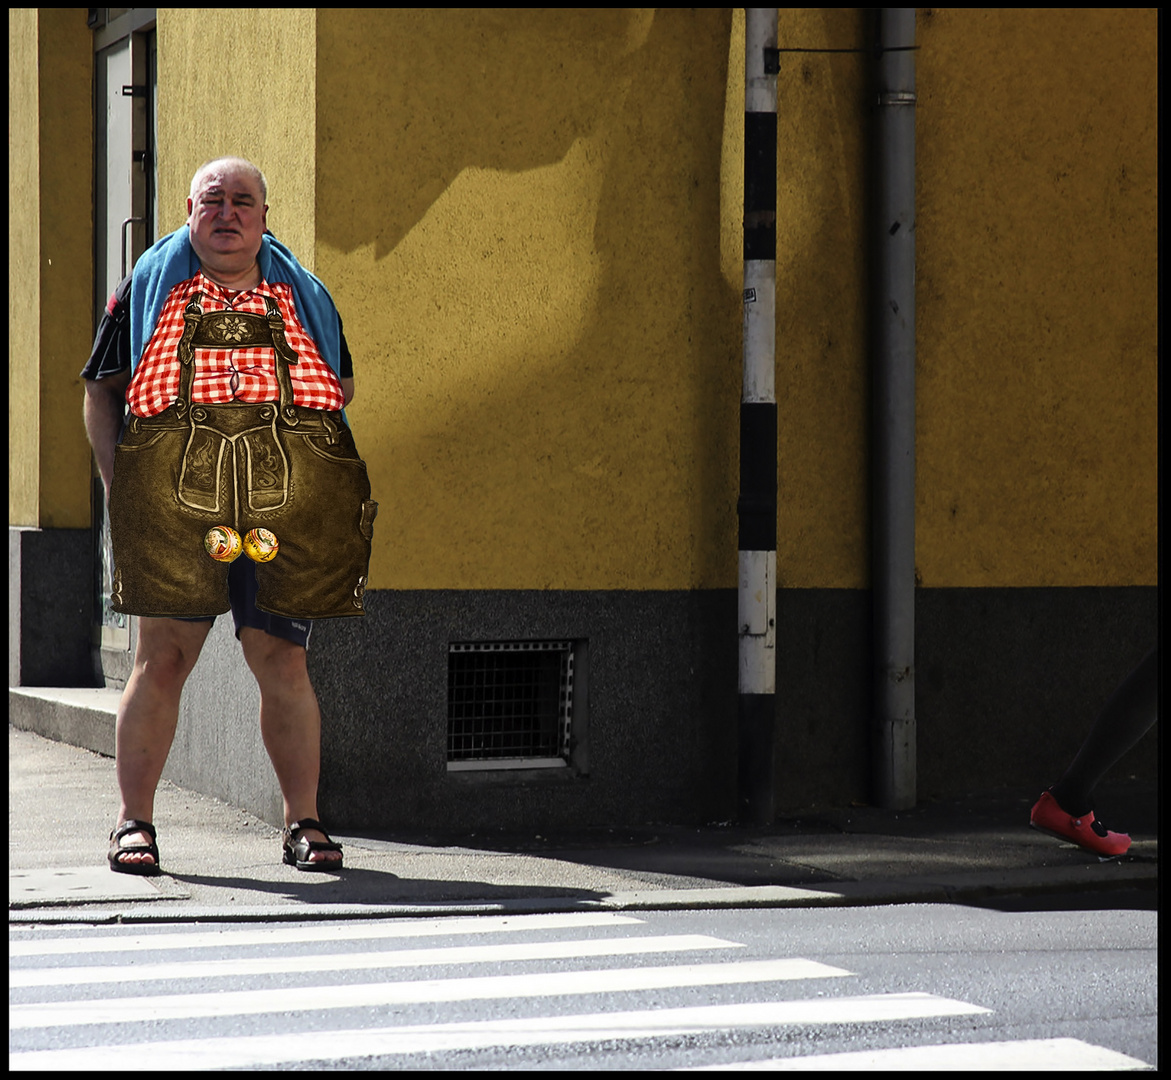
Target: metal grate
column 509, row 704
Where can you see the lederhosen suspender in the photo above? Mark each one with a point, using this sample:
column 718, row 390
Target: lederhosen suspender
column 235, row 330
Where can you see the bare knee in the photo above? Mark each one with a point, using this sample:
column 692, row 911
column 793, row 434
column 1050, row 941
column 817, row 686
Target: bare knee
column 168, row 649
column 276, row 663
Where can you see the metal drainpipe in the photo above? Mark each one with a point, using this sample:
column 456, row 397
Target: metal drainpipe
column 893, row 403
column 757, row 507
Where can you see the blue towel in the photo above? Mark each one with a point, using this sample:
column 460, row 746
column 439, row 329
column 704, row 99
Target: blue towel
column 172, row 260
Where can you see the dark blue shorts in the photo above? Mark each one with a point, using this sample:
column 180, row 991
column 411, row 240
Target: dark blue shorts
column 242, row 593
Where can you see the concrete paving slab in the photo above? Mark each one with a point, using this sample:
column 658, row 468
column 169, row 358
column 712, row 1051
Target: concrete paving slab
column 79, row 885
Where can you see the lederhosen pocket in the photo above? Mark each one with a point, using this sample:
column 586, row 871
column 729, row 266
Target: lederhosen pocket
column 291, row 470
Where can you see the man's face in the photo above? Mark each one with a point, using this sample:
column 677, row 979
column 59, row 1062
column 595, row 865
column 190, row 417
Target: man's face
column 226, row 218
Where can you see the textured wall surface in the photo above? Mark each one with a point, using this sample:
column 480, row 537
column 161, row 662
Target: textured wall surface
column 218, row 748
column 531, row 222
column 518, row 212
column 823, row 525
column 1037, row 297
column 536, row 253
column 66, row 263
column 24, row 283
column 240, row 82
column 50, row 264
column 658, row 723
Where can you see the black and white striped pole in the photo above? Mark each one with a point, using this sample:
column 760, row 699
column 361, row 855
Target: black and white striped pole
column 757, row 506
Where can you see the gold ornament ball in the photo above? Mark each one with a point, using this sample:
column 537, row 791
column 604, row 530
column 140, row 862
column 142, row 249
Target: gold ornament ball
column 223, row 543
column 261, row 545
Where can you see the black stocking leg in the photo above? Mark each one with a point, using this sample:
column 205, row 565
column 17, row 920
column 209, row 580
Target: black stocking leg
column 1127, row 717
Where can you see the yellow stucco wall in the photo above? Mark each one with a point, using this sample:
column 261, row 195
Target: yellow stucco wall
column 822, row 376
column 518, row 213
column 240, row 81
column 66, row 263
column 1037, row 297
column 50, row 261
column 531, row 224
column 24, row 284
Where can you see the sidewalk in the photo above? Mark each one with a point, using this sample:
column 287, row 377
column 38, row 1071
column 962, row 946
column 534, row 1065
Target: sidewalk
column 221, row 863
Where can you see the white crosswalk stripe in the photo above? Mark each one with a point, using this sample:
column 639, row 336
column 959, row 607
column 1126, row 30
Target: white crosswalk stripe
column 276, row 965
column 257, row 1050
column 1023, row 1055
column 78, row 1000
column 292, row 999
column 300, row 934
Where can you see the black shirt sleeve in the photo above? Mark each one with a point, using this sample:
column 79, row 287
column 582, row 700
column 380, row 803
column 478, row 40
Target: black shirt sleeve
column 111, row 351
column 347, row 362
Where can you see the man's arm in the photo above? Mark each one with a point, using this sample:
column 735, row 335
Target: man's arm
column 348, row 390
column 105, row 402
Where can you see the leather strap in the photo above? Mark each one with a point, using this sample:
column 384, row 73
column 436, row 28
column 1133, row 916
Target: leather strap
column 192, row 313
column 130, row 826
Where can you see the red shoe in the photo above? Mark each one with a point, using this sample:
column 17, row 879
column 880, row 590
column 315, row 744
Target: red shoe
column 1048, row 817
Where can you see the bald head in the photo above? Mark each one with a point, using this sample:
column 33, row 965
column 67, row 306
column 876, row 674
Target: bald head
column 235, row 164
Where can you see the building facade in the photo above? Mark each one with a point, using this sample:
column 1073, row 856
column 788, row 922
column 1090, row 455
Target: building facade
column 531, row 223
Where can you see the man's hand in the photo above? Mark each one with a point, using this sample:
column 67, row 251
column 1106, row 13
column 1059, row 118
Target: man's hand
column 348, row 390
column 105, row 403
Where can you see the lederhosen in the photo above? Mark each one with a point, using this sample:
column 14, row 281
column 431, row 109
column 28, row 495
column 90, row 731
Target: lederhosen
column 291, row 470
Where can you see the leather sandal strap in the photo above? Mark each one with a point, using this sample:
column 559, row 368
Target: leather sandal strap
column 126, row 849
column 304, row 823
column 134, row 826
column 301, row 846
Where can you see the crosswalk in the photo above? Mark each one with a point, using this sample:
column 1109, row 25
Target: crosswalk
column 285, row 995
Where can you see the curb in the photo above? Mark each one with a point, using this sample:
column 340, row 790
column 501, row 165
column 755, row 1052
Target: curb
column 956, row 889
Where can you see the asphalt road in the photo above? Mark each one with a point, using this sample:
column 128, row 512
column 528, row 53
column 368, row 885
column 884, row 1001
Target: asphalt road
column 909, row 986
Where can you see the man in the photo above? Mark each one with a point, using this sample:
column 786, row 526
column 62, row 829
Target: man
column 235, row 383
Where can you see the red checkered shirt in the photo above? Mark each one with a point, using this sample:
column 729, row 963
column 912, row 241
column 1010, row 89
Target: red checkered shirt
column 223, row 375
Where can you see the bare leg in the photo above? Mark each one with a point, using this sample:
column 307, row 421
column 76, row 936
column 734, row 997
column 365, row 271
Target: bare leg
column 1127, row 717
column 290, row 724
column 148, row 715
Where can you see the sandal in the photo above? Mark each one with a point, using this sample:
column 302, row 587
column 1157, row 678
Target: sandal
column 297, row 849
column 118, row 849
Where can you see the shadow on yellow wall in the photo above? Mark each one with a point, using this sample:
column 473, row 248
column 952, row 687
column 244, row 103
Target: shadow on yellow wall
column 518, row 213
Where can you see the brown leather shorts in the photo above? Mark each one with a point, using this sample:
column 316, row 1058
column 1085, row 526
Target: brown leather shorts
column 246, row 466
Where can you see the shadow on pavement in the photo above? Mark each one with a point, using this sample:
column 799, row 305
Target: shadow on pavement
column 362, row 886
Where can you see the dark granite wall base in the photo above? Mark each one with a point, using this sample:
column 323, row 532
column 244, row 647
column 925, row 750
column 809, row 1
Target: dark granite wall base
column 1008, row 682
column 660, row 723
column 823, row 697
column 50, row 607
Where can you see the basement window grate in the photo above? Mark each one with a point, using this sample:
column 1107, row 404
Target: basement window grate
column 509, row 704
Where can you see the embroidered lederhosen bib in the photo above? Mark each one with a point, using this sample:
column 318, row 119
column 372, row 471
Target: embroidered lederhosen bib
column 275, row 465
